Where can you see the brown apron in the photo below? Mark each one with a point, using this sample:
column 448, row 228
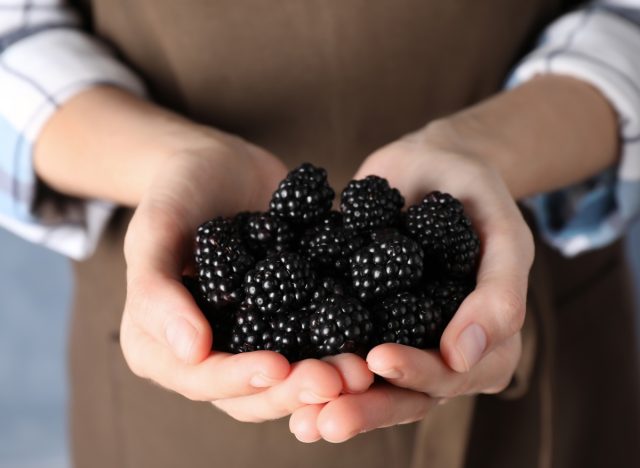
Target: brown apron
column 328, row 82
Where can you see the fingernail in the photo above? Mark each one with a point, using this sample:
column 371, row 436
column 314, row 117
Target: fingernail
column 262, row 381
column 471, row 344
column 388, row 373
column 310, row 398
column 181, row 335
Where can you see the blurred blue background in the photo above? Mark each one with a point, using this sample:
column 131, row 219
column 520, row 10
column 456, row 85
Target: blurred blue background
column 35, row 295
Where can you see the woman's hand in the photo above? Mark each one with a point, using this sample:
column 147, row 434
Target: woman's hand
column 549, row 133
column 164, row 335
column 105, row 143
column 481, row 346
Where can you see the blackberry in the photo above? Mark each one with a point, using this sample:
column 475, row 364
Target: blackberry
column 330, row 249
column 303, row 196
column 254, row 331
column 448, row 294
column 446, row 234
column 384, row 233
column 326, row 223
column 291, row 335
column 219, row 318
column 327, row 286
column 279, row 283
column 340, row 324
column 217, row 231
column 370, row 203
column 386, row 266
column 251, row 331
column 408, row 319
column 221, row 261
column 264, row 233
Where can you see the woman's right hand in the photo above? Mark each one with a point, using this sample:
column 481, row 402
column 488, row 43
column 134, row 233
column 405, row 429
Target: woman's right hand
column 164, row 335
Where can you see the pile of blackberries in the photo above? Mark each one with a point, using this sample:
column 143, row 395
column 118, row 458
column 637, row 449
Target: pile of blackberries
column 306, row 281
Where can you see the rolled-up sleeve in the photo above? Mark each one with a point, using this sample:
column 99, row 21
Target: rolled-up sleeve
column 599, row 44
column 45, row 59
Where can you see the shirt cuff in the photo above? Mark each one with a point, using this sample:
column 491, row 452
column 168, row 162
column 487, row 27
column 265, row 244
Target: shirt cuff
column 600, row 48
column 38, row 74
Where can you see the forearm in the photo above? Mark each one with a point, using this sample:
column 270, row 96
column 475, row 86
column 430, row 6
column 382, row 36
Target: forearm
column 548, row 133
column 106, row 143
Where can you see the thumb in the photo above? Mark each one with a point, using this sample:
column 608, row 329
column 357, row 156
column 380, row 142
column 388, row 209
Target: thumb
column 495, row 310
column 157, row 302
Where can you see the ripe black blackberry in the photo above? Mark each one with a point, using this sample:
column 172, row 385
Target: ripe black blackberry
column 221, row 261
column 215, row 232
column 279, row 282
column 446, row 234
column 386, row 266
column 251, row 331
column 219, row 318
column 284, row 334
column 370, row 203
column 326, row 223
column 340, row 324
column 326, row 287
column 303, row 196
column 330, row 249
column 408, row 319
column 264, row 233
column 448, row 294
column 291, row 334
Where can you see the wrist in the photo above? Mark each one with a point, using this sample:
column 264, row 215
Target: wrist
column 105, row 143
column 548, row 133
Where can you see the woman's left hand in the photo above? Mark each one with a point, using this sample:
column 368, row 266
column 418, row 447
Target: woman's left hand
column 481, row 346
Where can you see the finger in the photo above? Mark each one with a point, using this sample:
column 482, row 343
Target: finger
column 157, row 301
column 425, row 371
column 303, row 423
column 310, row 382
column 495, row 310
column 164, row 309
column 220, row 375
column 356, row 376
column 382, row 405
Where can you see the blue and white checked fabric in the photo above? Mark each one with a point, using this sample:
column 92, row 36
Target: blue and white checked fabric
column 599, row 44
column 45, row 59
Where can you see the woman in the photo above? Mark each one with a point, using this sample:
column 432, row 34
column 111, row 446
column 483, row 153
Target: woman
column 239, row 91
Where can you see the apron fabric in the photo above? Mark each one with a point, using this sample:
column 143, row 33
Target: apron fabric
column 329, row 82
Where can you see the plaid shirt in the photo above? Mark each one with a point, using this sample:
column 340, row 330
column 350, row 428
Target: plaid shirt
column 46, row 58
